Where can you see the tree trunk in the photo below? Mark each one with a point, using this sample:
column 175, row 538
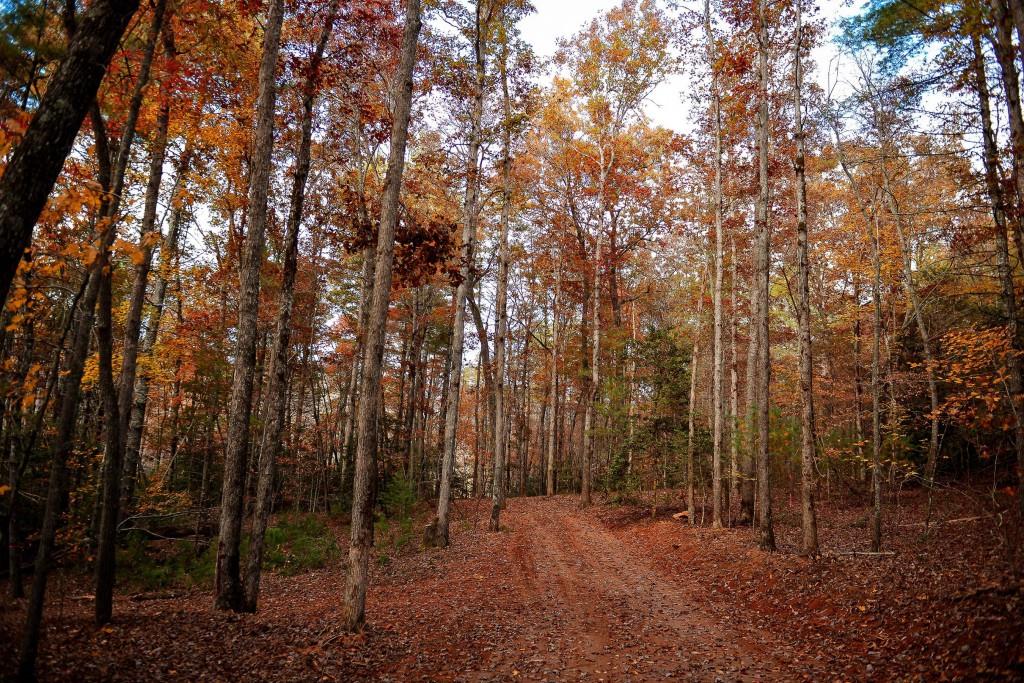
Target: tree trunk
column 501, row 329
column 37, row 160
column 876, row 422
column 1002, row 44
column 766, row 534
column 690, row 469
column 1007, row 294
column 809, row 519
column 140, row 395
column 590, row 417
column 717, row 403
column 437, row 533
column 229, row 589
column 363, row 489
column 734, row 392
column 277, row 375
column 111, row 494
column 553, row 398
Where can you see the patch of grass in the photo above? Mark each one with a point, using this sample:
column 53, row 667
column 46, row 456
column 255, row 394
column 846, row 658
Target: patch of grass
column 168, row 564
column 296, row 543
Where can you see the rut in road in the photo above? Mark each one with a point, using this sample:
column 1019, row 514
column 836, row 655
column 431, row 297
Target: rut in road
column 601, row 611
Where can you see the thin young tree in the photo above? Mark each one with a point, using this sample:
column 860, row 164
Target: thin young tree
column 437, row 532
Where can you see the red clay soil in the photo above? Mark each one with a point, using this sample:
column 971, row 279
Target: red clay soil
column 606, row 594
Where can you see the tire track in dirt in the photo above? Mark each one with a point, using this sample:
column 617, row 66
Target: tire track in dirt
column 601, row 611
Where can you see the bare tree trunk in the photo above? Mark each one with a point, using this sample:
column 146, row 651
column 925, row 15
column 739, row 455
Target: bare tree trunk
column 140, row 395
column 553, row 398
column 1007, row 293
column 590, row 417
column 766, row 534
column 363, row 492
column 229, row 590
column 876, row 422
column 747, row 465
column 717, row 401
column 501, row 330
column 106, row 551
column 277, row 375
column 1002, row 44
column 734, row 392
column 694, row 366
column 437, row 532
column 807, row 484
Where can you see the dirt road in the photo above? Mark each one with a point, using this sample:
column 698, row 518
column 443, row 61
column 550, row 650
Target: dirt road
column 563, row 594
column 603, row 612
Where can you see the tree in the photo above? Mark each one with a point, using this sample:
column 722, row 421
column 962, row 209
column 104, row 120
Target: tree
column 365, row 466
column 230, row 593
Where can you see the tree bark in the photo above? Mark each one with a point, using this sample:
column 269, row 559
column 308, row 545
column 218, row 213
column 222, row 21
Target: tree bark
column 363, row 492
column 590, row 417
column 766, row 533
column 501, row 330
column 553, row 398
column 37, row 160
column 437, row 533
column 1007, row 293
column 807, row 483
column 230, row 593
column 277, row 374
column 717, row 401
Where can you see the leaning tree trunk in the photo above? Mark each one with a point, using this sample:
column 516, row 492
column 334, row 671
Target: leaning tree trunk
column 809, row 519
column 140, row 395
column 229, row 590
column 133, row 322
column 277, row 375
column 37, row 160
column 363, row 487
column 98, row 23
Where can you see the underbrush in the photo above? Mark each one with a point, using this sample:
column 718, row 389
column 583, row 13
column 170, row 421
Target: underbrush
column 296, row 543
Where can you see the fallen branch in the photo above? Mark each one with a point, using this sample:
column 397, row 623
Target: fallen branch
column 950, row 521
column 881, row 553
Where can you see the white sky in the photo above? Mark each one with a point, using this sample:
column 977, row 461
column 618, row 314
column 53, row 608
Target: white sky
column 561, row 18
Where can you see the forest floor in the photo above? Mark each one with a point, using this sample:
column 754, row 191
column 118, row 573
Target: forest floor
column 612, row 593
